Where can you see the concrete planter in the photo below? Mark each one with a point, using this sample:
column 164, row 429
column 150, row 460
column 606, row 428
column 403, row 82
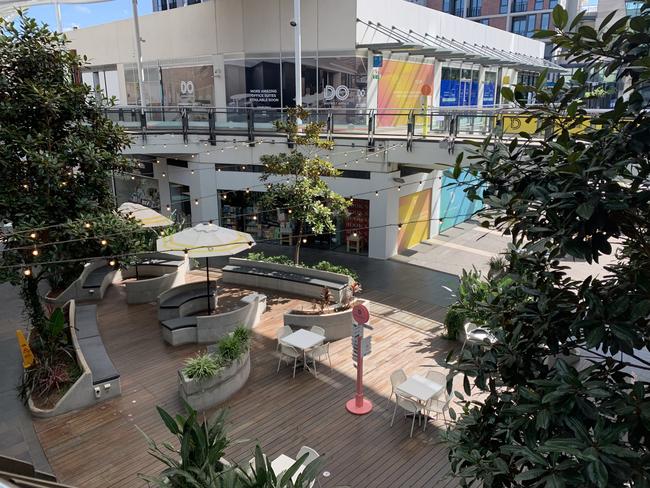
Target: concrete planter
column 204, row 393
column 337, row 325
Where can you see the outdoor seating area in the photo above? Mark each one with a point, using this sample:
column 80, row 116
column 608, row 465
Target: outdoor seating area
column 419, row 396
column 282, row 278
column 183, row 300
column 145, row 281
column 278, row 410
column 210, row 328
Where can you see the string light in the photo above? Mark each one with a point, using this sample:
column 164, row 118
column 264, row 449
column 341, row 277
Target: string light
column 304, row 240
column 376, row 193
column 399, row 226
column 87, row 225
column 168, row 208
column 196, row 201
column 103, row 242
column 164, row 174
column 33, row 235
column 254, row 217
column 192, row 172
column 35, row 252
column 399, row 188
column 27, row 272
column 112, row 262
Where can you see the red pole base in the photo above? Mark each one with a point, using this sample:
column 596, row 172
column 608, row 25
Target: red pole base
column 352, row 407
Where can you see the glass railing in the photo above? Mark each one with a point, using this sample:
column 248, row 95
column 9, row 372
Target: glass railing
column 436, row 122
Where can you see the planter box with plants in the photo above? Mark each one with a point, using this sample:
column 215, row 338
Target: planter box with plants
column 335, row 319
column 212, row 377
column 64, row 379
column 289, row 278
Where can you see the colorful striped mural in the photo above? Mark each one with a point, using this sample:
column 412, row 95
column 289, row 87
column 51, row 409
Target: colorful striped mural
column 400, row 87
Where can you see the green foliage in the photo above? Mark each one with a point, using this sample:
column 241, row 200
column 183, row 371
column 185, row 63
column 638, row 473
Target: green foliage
column 228, row 350
column 201, row 366
column 572, row 194
column 196, row 462
column 454, row 321
column 313, row 205
column 57, row 151
column 322, row 265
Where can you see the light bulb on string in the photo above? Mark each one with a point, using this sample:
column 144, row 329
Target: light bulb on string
column 164, row 175
column 399, row 188
column 87, row 225
column 254, row 217
column 103, row 242
column 191, row 172
column 112, row 263
column 376, row 193
column 35, row 252
column 27, row 271
column 33, row 235
column 168, row 208
column 399, row 226
column 196, row 201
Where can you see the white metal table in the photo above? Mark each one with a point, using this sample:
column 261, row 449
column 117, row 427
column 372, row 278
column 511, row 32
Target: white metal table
column 419, row 387
column 303, row 340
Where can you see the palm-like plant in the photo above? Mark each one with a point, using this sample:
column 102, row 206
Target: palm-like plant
column 197, row 462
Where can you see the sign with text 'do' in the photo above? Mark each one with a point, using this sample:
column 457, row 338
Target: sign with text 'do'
column 360, row 314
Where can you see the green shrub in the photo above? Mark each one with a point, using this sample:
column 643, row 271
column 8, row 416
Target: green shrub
column 454, row 321
column 322, row 265
column 201, row 366
column 234, row 345
column 335, row 268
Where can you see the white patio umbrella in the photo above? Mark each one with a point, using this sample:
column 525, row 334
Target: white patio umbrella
column 205, row 241
column 148, row 217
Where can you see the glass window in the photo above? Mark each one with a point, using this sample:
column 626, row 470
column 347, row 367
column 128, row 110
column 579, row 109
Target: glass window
column 489, row 89
column 484, row 21
column 446, row 6
column 152, row 85
column 188, row 86
column 539, row 4
column 552, row 3
column 503, row 6
column 519, row 25
column 530, row 28
column 545, row 21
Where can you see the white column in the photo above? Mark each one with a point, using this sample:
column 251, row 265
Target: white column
column 481, row 86
column 138, row 53
column 297, row 45
column 437, row 81
column 436, row 194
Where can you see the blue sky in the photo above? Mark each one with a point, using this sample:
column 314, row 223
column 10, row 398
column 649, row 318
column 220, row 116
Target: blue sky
column 84, row 15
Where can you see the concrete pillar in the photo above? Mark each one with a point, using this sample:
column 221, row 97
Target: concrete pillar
column 436, row 194
column 437, row 81
column 481, row 86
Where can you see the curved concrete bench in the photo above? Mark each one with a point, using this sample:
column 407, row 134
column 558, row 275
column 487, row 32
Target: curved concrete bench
column 186, row 299
column 290, row 279
column 337, row 325
column 205, row 393
column 91, row 285
column 99, row 379
column 154, row 277
column 211, row 328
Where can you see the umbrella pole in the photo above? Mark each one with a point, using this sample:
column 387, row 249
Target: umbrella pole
column 207, row 284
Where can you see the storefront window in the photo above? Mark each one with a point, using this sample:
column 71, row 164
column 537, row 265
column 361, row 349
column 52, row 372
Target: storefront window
column 489, row 89
column 180, row 203
column 152, row 87
column 459, row 87
column 137, row 189
column 328, row 82
column 188, row 85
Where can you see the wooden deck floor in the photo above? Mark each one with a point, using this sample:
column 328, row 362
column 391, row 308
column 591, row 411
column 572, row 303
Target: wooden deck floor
column 102, row 446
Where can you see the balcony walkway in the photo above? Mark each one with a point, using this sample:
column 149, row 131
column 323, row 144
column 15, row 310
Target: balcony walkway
column 102, row 446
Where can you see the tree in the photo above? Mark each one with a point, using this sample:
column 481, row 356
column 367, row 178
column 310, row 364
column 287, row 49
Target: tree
column 57, row 152
column 540, row 419
column 308, row 200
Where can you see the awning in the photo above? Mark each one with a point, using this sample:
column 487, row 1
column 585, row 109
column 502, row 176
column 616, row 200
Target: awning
column 398, row 40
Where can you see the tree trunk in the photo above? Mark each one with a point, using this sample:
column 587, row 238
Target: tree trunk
column 32, row 302
column 296, row 249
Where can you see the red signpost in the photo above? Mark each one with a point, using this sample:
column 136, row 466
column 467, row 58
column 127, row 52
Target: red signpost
column 361, row 346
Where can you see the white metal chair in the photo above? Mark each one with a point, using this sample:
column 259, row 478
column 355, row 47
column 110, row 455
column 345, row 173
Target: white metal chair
column 318, row 330
column 282, row 332
column 287, row 353
column 436, row 377
column 476, row 335
column 410, row 406
column 396, row 378
column 439, row 405
column 312, row 455
column 319, row 352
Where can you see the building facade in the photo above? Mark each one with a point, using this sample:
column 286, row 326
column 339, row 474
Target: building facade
column 384, row 59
